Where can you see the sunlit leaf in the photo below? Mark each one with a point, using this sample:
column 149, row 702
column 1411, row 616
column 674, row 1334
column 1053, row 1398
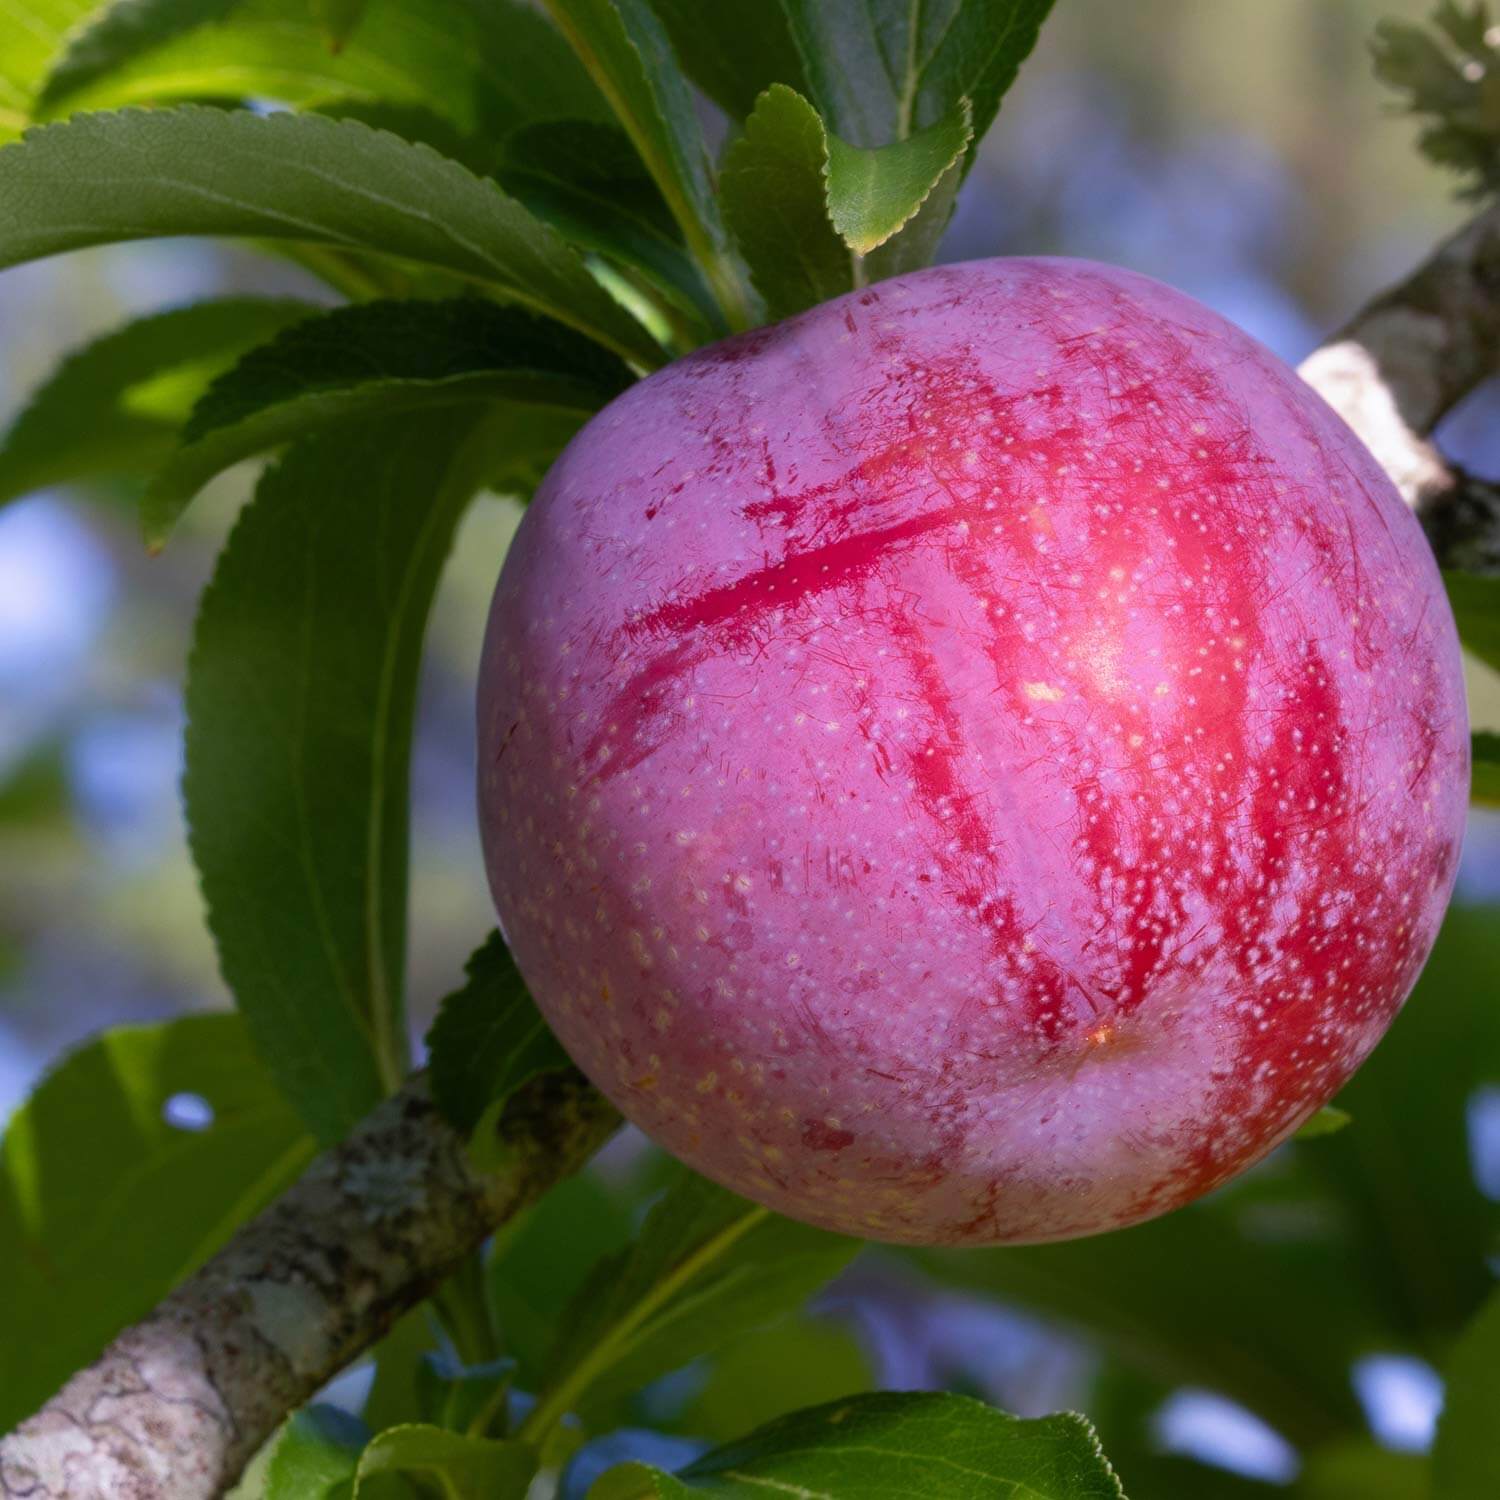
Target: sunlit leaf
column 142, row 174
column 132, row 1162
column 888, row 1447
column 114, row 407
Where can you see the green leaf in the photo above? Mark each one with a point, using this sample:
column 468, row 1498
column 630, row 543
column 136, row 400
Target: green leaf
column 488, row 1039
column 881, row 70
column 316, row 1455
column 889, row 1446
column 872, row 194
column 1327, row 1121
column 800, row 200
column 814, row 1359
column 917, row 243
column 1362, row 1470
column 538, row 1264
column 32, row 34
column 454, row 57
column 105, row 1205
column 1484, row 785
column 1466, row 1453
column 114, row 406
column 300, row 696
column 339, row 19
column 395, row 1392
column 1476, row 610
column 629, row 55
column 379, row 359
column 775, row 196
column 733, row 49
column 456, row 1467
column 706, row 1266
column 149, row 173
column 586, row 180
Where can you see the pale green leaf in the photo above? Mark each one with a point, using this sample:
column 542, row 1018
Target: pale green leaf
column 1327, row 1121
column 105, row 1204
column 1466, row 1453
column 706, row 1266
column 454, row 1466
column 300, row 694
column 775, row 194
column 114, row 407
column 457, row 58
column 315, row 1456
column 917, row 243
column 32, row 34
column 881, row 70
column 891, row 1446
column 144, row 174
column 873, row 193
column 379, row 359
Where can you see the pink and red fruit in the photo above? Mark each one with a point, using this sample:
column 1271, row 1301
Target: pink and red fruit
column 981, row 761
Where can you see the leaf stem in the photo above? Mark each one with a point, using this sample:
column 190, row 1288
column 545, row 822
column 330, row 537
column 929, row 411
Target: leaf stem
column 554, row 1404
column 724, row 279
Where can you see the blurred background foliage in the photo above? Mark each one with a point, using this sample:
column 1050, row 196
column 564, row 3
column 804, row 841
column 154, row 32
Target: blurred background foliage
column 1290, row 1331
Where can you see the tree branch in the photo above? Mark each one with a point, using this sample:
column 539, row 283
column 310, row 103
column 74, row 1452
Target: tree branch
column 176, row 1406
column 1405, row 361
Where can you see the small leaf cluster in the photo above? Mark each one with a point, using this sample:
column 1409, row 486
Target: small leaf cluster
column 1449, row 72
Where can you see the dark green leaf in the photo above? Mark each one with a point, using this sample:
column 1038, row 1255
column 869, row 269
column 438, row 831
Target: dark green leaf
column 1327, row 1121
column 586, row 180
column 379, row 359
column 457, row 58
column 629, row 55
column 813, row 1360
column 488, row 1039
column 300, row 698
column 339, row 19
column 34, row 32
column 1466, row 1454
column 455, row 1395
column 105, row 1204
column 1485, row 781
column 538, row 1263
column 1362, row 1470
column 775, row 194
column 34, row 792
column 148, row 173
column 114, row 407
column 316, row 1455
column 458, row 1467
column 1476, row 610
column 395, row 1392
column 881, row 70
column 890, row 1446
column 873, row 193
column 706, row 1266
column 733, row 49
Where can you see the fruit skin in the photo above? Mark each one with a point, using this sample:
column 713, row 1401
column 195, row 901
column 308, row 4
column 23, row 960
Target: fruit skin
column 979, row 762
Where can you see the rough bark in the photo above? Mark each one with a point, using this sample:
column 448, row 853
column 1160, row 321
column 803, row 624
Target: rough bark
column 177, row 1404
column 174, row 1408
column 1406, row 360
